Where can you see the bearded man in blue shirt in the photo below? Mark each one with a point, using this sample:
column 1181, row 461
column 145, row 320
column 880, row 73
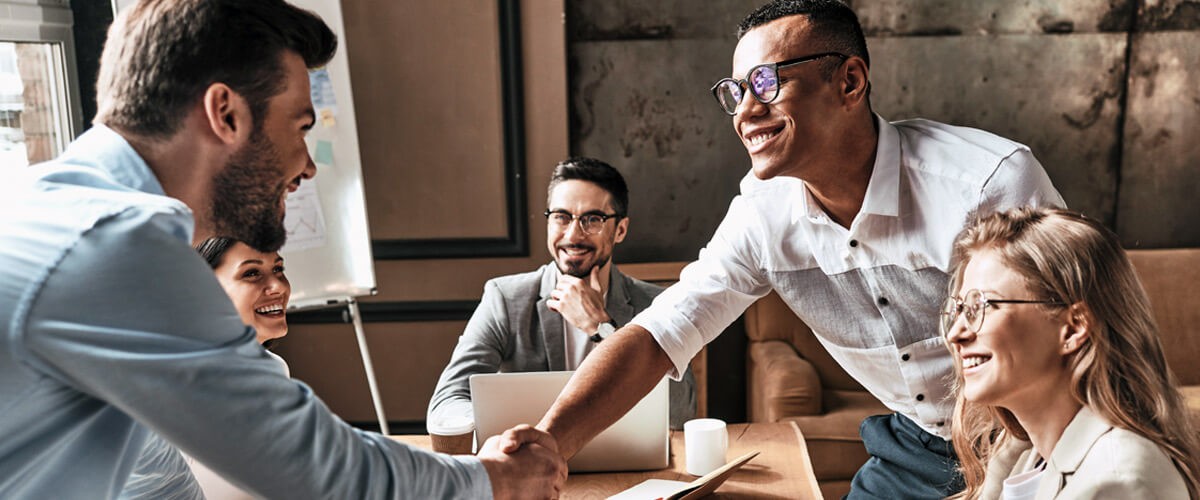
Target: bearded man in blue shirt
column 112, row 327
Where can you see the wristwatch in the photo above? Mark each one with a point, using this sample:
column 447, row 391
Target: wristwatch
column 603, row 330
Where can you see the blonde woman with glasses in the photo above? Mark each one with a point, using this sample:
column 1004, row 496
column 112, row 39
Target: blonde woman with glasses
column 1063, row 390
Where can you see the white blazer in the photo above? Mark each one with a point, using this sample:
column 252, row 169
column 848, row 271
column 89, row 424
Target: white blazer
column 1092, row 459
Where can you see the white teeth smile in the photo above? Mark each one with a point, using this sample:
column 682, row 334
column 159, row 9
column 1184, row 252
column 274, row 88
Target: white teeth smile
column 575, row 251
column 761, row 138
column 271, row 309
column 974, row 361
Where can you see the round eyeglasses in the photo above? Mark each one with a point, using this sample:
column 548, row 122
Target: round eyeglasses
column 973, row 305
column 762, row 81
column 590, row 223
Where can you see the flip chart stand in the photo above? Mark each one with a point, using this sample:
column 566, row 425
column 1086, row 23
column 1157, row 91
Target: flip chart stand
column 352, row 315
column 368, row 367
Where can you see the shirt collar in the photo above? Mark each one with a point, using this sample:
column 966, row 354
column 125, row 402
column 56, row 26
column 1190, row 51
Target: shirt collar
column 809, row 208
column 103, row 148
column 883, row 190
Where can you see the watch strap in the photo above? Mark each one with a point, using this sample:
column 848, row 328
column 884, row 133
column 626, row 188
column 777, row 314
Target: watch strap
column 596, row 337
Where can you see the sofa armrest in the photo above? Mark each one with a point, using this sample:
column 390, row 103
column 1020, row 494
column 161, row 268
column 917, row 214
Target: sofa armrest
column 780, row 382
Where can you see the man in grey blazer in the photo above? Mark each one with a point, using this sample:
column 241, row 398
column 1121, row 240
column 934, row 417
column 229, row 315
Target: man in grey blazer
column 551, row 318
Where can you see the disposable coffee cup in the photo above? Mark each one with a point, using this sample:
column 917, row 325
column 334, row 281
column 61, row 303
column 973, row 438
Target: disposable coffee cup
column 453, row 435
column 705, row 443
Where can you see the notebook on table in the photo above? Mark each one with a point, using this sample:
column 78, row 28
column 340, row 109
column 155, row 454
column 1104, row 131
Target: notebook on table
column 640, row 440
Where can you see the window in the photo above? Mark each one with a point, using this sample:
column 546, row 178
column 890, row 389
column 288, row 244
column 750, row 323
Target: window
column 34, row 121
column 39, row 99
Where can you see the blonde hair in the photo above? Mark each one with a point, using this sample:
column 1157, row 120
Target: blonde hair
column 1119, row 373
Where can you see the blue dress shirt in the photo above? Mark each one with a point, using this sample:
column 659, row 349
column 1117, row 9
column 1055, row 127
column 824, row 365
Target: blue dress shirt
column 112, row 327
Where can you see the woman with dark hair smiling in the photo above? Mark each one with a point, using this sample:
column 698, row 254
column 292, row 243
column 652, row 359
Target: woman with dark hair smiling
column 256, row 284
column 1063, row 389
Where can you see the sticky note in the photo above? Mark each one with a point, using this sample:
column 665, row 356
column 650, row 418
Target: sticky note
column 324, row 154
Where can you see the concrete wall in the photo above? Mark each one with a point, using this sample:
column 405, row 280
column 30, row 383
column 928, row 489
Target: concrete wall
column 1103, row 91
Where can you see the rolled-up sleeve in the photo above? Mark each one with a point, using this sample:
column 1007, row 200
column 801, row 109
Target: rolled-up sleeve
column 712, row 291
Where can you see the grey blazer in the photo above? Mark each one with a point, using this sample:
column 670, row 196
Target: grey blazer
column 513, row 330
column 1092, row 459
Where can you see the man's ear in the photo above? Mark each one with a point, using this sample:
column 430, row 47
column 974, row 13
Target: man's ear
column 856, row 80
column 228, row 114
column 622, row 230
column 1077, row 329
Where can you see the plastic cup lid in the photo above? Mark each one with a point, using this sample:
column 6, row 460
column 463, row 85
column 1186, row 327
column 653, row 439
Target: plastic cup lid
column 451, row 426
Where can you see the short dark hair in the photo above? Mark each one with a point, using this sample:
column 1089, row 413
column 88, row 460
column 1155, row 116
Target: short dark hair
column 213, row 249
column 161, row 55
column 834, row 25
column 580, row 168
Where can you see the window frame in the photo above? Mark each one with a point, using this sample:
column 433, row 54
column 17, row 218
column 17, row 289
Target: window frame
column 48, row 21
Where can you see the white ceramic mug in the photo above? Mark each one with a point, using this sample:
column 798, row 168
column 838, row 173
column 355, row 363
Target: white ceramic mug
column 705, row 442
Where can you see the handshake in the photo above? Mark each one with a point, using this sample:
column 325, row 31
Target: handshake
column 524, row 462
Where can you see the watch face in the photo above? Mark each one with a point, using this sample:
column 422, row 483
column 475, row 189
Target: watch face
column 605, row 329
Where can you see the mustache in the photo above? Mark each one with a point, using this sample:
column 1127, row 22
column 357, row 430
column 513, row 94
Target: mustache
column 574, row 246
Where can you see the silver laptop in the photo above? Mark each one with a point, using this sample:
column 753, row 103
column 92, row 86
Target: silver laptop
column 638, row 441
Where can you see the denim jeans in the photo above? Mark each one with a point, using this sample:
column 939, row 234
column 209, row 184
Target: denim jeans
column 906, row 462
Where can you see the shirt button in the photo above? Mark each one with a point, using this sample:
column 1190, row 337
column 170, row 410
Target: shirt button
column 904, row 357
column 920, row 397
column 883, row 301
column 853, row 243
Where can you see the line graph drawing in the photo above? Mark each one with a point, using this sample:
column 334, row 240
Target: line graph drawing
column 304, row 222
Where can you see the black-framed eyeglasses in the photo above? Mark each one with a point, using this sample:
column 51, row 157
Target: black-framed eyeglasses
column 590, row 223
column 762, row 81
column 973, row 306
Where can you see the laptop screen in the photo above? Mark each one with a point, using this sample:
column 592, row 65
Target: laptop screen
column 640, row 440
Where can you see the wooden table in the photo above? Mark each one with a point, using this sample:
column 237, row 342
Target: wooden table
column 781, row 470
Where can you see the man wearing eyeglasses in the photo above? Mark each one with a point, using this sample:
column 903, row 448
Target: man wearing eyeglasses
column 551, row 318
column 850, row 219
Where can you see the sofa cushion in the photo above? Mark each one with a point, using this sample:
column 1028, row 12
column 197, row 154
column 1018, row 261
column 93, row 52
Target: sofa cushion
column 769, row 318
column 780, row 382
column 1191, row 399
column 833, row 442
column 1169, row 278
column 844, row 414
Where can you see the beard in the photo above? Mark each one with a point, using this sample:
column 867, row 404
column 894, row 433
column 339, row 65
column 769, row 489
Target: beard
column 246, row 194
column 580, row 269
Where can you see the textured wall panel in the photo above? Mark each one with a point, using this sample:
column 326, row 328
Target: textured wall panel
column 1059, row 95
column 1160, row 178
column 645, row 107
column 429, row 109
column 659, row 19
column 1169, row 15
column 976, row 17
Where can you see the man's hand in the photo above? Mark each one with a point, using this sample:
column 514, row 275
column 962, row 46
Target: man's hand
column 523, row 463
column 580, row 301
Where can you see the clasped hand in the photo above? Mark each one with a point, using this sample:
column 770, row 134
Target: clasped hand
column 524, row 463
column 579, row 301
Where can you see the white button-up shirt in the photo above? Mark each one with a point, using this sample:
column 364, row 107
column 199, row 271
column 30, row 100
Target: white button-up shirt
column 870, row 293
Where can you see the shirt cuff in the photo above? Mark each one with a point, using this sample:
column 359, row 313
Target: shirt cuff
column 680, row 348
column 481, row 484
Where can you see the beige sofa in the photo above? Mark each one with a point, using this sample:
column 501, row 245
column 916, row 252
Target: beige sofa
column 791, row 377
